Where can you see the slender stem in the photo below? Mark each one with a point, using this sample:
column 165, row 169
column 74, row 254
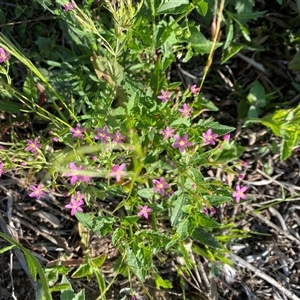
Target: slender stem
column 215, row 39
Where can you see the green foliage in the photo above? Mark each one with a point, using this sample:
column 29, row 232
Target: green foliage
column 109, row 73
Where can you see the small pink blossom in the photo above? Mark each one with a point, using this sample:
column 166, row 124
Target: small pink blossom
column 194, row 89
column 164, row 96
column 33, row 145
column 213, row 210
column 243, row 163
column 78, row 131
column 239, row 193
column 241, row 176
column 117, row 138
column 103, row 135
column 37, row 191
column 55, row 139
column 209, row 211
column 68, row 6
column 23, row 163
column 78, row 197
column 226, row 137
column 167, row 133
column 2, row 170
column 181, row 142
column 144, row 210
column 160, row 185
column 75, row 204
column 117, row 171
column 75, row 174
column 4, row 56
column 209, row 137
column 205, row 210
column 186, row 111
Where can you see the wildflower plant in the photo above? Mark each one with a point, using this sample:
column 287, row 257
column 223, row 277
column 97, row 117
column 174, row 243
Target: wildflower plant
column 138, row 137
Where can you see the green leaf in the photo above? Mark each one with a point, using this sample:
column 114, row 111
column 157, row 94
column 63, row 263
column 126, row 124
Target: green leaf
column 84, row 270
column 146, row 193
column 205, row 221
column 80, row 295
column 244, row 6
column 60, row 287
column 294, row 64
column 31, row 266
column 173, row 7
column 10, row 106
column 98, row 224
column 231, row 51
column 117, row 236
column 201, row 7
column 176, row 211
column 197, row 175
column 134, row 265
column 184, row 229
column 198, row 41
column 162, row 283
column 228, row 152
column 158, row 80
column 98, row 261
column 100, row 281
column 68, row 293
column 85, row 219
column 205, row 238
column 129, row 220
column 257, row 95
column 245, row 17
column 7, row 248
column 229, row 36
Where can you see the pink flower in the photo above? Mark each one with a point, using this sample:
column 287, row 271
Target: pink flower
column 117, row 171
column 194, row 89
column 209, row 211
column 102, row 135
column 212, row 210
column 144, row 210
column 164, row 96
column 243, row 163
column 239, row 193
column 74, row 174
column 68, row 6
column 4, row 56
column 75, row 204
column 117, row 138
column 37, row 191
column 226, row 137
column 79, row 197
column 186, row 110
column 167, row 133
column 55, row 139
column 209, row 138
column 23, row 163
column 2, row 170
column 78, row 131
column 181, row 142
column 160, row 185
column 205, row 211
column 33, row 145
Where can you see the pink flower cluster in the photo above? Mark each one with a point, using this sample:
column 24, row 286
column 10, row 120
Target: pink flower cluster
column 101, row 134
